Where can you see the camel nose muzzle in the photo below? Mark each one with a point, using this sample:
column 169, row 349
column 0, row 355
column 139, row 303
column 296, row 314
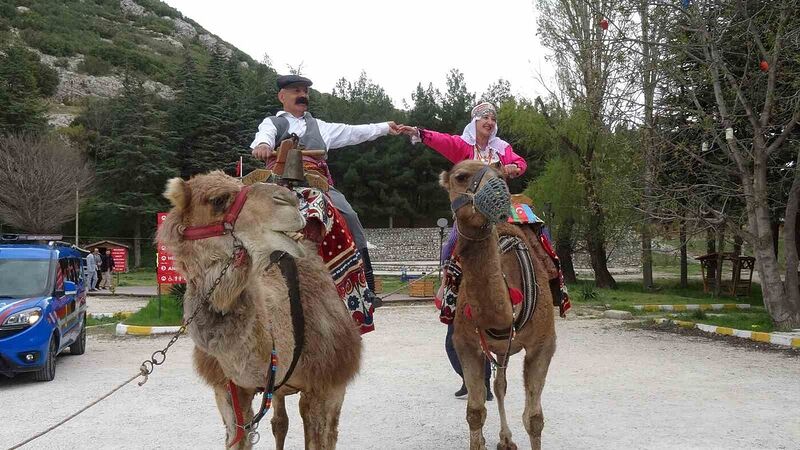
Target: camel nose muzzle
column 493, row 200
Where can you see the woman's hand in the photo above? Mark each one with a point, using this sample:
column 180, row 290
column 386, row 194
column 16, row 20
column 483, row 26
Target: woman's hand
column 511, row 170
column 408, row 130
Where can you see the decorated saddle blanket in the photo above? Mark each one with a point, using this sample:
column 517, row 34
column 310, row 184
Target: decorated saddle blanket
column 327, row 227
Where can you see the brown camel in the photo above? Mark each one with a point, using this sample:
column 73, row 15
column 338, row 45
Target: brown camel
column 234, row 331
column 484, row 290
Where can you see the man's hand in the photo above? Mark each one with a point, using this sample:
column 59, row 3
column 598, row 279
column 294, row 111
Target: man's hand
column 394, row 129
column 511, row 170
column 262, row 151
column 408, row 130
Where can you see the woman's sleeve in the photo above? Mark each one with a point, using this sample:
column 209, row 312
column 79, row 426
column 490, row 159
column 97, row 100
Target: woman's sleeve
column 451, row 147
column 514, row 158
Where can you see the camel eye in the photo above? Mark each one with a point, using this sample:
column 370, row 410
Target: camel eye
column 462, row 177
column 219, row 203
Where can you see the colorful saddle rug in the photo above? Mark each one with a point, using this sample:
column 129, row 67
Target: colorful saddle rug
column 335, row 245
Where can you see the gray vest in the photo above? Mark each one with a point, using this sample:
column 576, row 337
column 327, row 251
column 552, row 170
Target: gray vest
column 311, row 139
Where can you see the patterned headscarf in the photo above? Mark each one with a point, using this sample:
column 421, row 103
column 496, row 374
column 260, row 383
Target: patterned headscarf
column 470, row 131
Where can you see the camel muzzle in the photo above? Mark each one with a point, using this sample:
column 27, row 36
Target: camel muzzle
column 493, row 199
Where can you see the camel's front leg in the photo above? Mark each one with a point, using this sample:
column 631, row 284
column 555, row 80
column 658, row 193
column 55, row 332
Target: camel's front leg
column 500, row 387
column 280, row 421
column 225, row 406
column 473, row 364
column 320, row 411
column 537, row 361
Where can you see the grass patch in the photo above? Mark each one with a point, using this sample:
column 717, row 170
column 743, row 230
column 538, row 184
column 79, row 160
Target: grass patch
column 669, row 292
column 91, row 321
column 756, row 319
column 138, row 277
column 171, row 313
column 391, row 283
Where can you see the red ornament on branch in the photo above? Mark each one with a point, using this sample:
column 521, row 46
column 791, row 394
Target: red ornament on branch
column 604, row 24
column 764, row 66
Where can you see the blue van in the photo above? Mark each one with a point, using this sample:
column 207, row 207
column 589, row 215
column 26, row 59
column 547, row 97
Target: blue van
column 42, row 304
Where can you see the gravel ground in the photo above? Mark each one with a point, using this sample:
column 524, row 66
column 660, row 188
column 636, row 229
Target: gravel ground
column 610, row 387
column 115, row 304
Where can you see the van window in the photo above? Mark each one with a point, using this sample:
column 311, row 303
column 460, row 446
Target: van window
column 24, row 277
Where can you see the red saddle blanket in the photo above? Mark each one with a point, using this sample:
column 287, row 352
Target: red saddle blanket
column 326, row 226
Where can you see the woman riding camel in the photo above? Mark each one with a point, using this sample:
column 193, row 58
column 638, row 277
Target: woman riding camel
column 479, row 141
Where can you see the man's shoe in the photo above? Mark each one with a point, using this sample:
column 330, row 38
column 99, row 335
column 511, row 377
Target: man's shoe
column 372, row 298
column 489, row 396
column 461, row 393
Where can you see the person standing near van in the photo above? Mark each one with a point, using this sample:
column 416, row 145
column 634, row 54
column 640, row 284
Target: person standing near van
column 91, row 271
column 106, row 266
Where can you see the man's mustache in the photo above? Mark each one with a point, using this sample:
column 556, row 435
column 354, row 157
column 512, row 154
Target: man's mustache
column 301, row 101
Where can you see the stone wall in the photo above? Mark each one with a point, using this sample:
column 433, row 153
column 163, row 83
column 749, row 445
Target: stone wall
column 422, row 244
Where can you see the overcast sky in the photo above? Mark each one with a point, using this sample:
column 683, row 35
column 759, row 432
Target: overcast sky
column 398, row 44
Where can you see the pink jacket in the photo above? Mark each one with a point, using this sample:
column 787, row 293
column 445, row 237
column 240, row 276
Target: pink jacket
column 456, row 150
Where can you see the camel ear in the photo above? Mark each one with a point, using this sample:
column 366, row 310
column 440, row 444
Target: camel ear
column 178, row 193
column 444, row 179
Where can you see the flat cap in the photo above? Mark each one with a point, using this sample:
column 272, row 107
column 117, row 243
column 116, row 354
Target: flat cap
column 286, row 80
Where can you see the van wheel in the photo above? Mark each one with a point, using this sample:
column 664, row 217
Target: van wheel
column 79, row 346
column 48, row 372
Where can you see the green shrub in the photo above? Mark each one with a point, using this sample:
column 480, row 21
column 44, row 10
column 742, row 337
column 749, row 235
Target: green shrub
column 51, row 44
column 588, row 293
column 46, row 79
column 93, row 65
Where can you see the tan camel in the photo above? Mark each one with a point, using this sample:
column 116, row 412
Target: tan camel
column 234, row 332
column 483, row 288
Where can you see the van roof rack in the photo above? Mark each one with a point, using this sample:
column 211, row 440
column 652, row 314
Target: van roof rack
column 31, row 238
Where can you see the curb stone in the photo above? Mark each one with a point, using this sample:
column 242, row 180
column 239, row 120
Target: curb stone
column 102, row 315
column 758, row 336
column 700, row 307
column 137, row 330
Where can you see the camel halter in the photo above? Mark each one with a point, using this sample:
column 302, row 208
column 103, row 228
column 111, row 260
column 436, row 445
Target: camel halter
column 219, row 228
column 492, row 200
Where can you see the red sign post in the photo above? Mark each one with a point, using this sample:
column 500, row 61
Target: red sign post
column 166, row 274
column 120, row 257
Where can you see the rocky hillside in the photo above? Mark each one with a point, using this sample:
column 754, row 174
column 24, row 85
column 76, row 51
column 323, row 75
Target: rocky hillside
column 92, row 43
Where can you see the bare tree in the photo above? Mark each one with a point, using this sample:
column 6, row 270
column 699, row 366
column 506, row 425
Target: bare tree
column 39, row 177
column 739, row 79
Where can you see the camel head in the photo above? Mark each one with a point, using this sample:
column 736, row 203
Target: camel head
column 479, row 197
column 268, row 221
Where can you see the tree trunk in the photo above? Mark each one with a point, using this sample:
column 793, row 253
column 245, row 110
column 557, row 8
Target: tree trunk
column 791, row 243
column 564, row 250
column 649, row 53
column 684, row 259
column 720, row 261
column 595, row 235
column 737, row 244
column 711, row 247
column 137, row 241
column 597, row 251
column 775, row 229
column 785, row 312
column 647, row 256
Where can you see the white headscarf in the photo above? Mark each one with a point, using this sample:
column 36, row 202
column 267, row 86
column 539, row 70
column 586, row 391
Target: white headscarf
column 496, row 144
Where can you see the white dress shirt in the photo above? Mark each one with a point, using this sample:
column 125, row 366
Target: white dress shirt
column 335, row 135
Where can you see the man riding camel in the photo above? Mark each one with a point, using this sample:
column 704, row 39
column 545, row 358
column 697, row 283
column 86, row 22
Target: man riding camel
column 315, row 134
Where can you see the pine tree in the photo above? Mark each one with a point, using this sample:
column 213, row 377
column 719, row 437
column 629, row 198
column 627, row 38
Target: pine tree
column 21, row 110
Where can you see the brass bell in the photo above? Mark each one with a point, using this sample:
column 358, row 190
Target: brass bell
column 293, row 171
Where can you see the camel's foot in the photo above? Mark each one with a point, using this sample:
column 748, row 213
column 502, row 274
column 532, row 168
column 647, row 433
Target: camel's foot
column 506, row 445
column 476, row 440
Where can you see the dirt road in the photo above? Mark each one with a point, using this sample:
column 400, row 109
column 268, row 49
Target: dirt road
column 609, row 388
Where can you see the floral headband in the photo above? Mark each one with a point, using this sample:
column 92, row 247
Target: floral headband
column 482, row 109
